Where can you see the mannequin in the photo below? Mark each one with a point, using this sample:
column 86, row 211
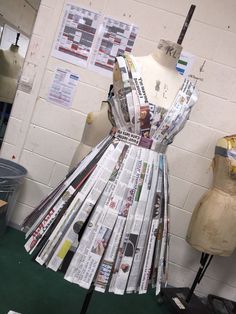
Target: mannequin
column 212, row 226
column 10, row 66
column 161, row 81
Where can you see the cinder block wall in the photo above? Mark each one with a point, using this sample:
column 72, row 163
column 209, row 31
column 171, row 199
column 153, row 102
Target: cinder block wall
column 19, row 14
column 43, row 137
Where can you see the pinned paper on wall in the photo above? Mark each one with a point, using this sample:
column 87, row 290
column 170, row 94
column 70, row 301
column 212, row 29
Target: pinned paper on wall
column 185, row 63
column 63, row 88
column 76, row 35
column 114, row 38
column 88, row 39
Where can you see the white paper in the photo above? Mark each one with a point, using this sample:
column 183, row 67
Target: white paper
column 63, row 87
column 76, row 35
column 185, row 63
column 114, row 38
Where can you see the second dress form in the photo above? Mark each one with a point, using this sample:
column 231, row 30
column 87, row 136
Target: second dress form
column 212, row 228
column 11, row 63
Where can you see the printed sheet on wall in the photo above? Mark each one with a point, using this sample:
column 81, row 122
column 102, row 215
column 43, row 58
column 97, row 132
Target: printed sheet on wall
column 91, row 40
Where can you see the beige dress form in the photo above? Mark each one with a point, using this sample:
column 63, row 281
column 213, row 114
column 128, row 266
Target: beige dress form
column 11, row 63
column 212, row 228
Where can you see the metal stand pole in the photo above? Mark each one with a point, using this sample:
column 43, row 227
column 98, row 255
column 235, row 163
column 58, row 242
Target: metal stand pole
column 205, row 262
column 87, row 300
column 186, row 24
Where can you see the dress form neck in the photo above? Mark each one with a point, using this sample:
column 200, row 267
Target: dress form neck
column 160, row 77
column 14, row 48
column 167, row 54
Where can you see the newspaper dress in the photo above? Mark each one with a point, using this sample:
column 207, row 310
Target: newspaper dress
column 112, row 209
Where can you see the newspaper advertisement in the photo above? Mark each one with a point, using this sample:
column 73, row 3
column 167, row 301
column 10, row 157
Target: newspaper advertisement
column 63, row 88
column 76, row 35
column 114, row 38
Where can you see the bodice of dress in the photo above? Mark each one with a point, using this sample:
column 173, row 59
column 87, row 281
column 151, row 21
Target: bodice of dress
column 132, row 112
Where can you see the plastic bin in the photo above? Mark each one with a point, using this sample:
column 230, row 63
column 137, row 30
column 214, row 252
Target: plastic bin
column 11, row 177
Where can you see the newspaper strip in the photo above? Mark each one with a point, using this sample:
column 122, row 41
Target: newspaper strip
column 147, row 266
column 143, row 120
column 106, row 266
column 123, row 93
column 163, row 263
column 68, row 181
column 72, row 209
column 141, row 250
column 176, row 115
column 133, row 138
column 110, row 215
column 85, row 245
column 131, row 232
column 126, row 207
column 101, row 178
column 111, row 209
column 53, row 212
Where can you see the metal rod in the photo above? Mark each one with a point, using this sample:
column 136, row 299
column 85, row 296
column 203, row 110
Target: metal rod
column 186, row 24
column 205, row 262
column 17, row 38
column 87, row 300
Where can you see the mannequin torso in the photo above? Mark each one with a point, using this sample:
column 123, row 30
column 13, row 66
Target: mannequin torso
column 212, row 226
column 161, row 81
column 10, row 66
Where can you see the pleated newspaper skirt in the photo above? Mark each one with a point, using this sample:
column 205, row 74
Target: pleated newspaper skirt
column 111, row 211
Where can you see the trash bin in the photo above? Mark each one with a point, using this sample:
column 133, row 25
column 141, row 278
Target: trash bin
column 11, row 177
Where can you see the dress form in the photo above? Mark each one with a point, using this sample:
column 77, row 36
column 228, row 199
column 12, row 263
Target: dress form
column 212, row 226
column 10, row 66
column 161, row 80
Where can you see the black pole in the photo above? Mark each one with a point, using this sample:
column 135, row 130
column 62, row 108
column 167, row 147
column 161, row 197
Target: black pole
column 186, row 24
column 87, row 299
column 17, row 38
column 205, row 262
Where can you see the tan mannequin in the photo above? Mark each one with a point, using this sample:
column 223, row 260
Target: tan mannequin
column 96, row 128
column 212, row 228
column 10, row 66
column 161, row 81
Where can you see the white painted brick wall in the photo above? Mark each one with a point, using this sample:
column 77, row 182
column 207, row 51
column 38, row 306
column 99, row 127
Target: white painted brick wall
column 43, row 137
column 18, row 13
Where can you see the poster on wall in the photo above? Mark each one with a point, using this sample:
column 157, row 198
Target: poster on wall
column 185, row 63
column 63, row 87
column 88, row 39
column 76, row 35
column 114, row 38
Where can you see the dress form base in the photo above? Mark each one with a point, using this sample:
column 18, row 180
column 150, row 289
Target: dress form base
column 175, row 300
column 183, row 300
